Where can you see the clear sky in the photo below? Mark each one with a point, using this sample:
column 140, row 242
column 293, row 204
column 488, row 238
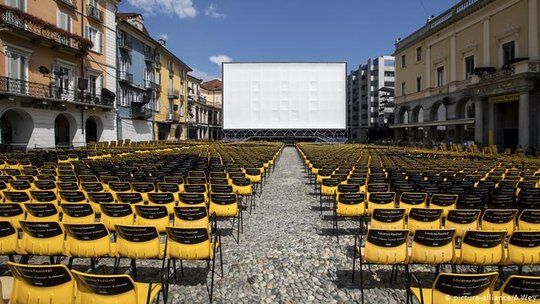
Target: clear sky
column 203, row 33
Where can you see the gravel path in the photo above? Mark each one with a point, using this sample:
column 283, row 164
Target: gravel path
column 287, row 253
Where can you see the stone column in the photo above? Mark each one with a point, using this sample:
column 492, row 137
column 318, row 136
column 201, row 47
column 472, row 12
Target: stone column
column 478, row 122
column 524, row 119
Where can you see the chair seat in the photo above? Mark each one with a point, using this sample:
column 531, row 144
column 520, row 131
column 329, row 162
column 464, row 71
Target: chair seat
column 426, row 294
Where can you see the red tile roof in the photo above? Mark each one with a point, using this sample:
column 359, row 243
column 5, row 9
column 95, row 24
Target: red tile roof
column 212, row 85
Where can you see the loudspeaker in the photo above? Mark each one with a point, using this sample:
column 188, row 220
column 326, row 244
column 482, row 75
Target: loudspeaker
column 82, row 84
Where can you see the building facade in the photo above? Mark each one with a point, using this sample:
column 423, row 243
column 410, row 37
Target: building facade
column 207, row 107
column 57, row 73
column 172, row 81
column 472, row 74
column 137, row 92
column 370, row 98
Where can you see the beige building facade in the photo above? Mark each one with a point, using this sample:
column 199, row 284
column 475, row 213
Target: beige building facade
column 471, row 74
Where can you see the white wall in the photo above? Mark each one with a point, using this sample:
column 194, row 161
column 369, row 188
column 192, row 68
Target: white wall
column 136, row 130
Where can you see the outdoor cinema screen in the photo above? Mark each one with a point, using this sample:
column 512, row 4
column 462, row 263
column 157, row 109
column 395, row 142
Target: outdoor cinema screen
column 258, row 96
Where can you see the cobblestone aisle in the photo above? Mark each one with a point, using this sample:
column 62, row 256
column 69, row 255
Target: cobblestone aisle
column 287, row 253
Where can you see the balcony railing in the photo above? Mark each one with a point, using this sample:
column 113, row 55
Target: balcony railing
column 92, row 11
column 139, row 111
column 18, row 87
column 69, row 3
column 173, row 117
column 37, row 30
column 148, row 56
column 125, row 76
column 149, row 85
column 125, row 44
column 173, row 93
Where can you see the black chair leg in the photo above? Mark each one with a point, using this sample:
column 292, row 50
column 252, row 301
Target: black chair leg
column 212, row 280
column 134, row 267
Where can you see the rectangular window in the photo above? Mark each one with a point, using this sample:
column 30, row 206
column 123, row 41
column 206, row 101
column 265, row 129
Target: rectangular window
column 419, row 53
column 418, row 84
column 509, row 52
column 17, row 71
column 403, row 61
column 389, row 74
column 403, row 88
column 469, row 66
column 20, row 4
column 388, row 83
column 389, row 62
column 440, row 76
column 93, row 35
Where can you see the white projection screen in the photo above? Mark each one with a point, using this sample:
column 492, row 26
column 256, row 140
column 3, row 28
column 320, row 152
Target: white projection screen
column 284, row 95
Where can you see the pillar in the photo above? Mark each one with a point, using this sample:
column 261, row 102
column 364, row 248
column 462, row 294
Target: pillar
column 479, row 122
column 524, row 119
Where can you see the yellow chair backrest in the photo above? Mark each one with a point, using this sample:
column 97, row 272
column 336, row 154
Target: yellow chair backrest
column 388, row 219
column 381, row 200
column 224, row 204
column 137, row 242
column 464, row 288
column 499, row 220
column 524, row 248
column 424, row 218
column 87, row 240
column 446, row 202
column 462, row 221
column 152, row 215
column 433, row 246
column 36, row 284
column 189, row 244
column 93, row 288
column 351, row 204
column 386, row 246
column 410, row 200
column 116, row 214
column 13, row 213
column 482, row 247
column 519, row 289
column 529, row 219
column 77, row 213
column 42, row 238
column 191, row 217
column 9, row 238
column 41, row 212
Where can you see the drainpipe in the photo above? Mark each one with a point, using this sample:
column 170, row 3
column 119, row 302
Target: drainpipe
column 83, row 131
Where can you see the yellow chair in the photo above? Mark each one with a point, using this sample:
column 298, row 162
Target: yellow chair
column 42, row 284
column 92, row 187
column 518, row 289
column 117, row 288
column 170, row 187
column 19, row 185
column 349, row 205
column 17, row 196
column 523, row 249
column 144, row 188
column 9, row 240
column 433, row 246
column 424, row 218
column 227, row 205
column 378, row 187
column 44, row 196
column 116, row 214
column 387, row 219
column 72, row 197
column 42, row 239
column 499, row 220
column 410, row 200
column 529, row 220
column 456, row 288
column 132, row 198
column 462, row 221
column 386, row 200
column 191, row 217
column 383, row 247
column 166, row 199
column 445, row 202
column 152, row 215
column 77, row 213
column 13, row 213
column 192, row 244
column 44, row 212
column 137, row 242
column 192, row 199
column 87, row 241
column 97, row 198
column 45, row 185
column 482, row 248
column 118, row 187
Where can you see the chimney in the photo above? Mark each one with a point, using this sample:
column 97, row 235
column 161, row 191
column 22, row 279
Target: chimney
column 162, row 41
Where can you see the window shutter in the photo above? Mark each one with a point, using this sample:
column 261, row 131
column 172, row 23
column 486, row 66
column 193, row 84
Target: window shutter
column 99, row 42
column 87, row 32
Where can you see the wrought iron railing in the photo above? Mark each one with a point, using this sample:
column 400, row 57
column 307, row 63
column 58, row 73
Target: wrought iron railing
column 93, row 12
column 39, row 90
column 125, row 76
column 149, row 84
column 19, row 20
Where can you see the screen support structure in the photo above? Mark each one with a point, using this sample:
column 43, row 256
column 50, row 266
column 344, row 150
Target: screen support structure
column 282, row 134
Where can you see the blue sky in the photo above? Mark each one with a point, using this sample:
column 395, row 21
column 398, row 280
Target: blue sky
column 204, row 33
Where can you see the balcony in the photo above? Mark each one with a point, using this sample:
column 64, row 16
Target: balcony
column 173, row 117
column 149, row 85
column 125, row 76
column 44, row 92
column 173, row 93
column 68, row 3
column 138, row 111
column 93, row 12
column 125, row 44
column 149, row 56
column 37, row 30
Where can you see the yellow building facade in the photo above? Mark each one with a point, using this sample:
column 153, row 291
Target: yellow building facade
column 172, row 80
column 471, row 74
